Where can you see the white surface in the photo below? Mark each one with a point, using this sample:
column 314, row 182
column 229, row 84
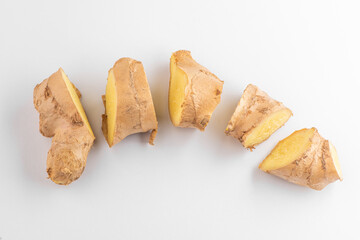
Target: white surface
column 191, row 185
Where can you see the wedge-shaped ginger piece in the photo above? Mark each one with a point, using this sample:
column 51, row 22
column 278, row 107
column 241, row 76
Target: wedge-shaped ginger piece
column 128, row 103
column 256, row 117
column 194, row 92
column 304, row 158
column 63, row 118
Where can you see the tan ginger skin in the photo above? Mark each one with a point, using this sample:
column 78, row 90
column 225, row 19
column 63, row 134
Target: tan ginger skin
column 60, row 119
column 135, row 108
column 202, row 93
column 254, row 107
column 315, row 168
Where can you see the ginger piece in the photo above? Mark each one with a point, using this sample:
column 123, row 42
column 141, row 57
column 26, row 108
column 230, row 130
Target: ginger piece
column 256, row 117
column 304, row 158
column 194, row 92
column 62, row 117
column 128, row 103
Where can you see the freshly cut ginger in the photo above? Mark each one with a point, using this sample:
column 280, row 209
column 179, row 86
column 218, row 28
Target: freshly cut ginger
column 62, row 117
column 256, row 117
column 194, row 92
column 304, row 158
column 128, row 103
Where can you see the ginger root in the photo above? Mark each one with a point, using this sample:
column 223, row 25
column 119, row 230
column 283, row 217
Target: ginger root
column 62, row 117
column 194, row 92
column 256, row 117
column 304, row 158
column 128, row 103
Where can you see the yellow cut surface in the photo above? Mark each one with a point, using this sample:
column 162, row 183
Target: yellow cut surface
column 267, row 127
column 111, row 104
column 288, row 150
column 76, row 101
column 335, row 158
column 178, row 82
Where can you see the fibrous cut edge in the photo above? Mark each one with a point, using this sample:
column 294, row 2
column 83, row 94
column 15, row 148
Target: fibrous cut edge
column 75, row 96
column 177, row 87
column 111, row 107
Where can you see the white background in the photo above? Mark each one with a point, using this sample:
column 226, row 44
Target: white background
column 191, row 184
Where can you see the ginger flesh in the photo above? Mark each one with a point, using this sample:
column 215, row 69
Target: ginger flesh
column 336, row 160
column 178, row 83
column 76, row 100
column 111, row 100
column 288, row 150
column 267, row 127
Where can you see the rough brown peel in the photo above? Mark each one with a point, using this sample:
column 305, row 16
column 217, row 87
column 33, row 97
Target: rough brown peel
column 304, row 158
column 128, row 103
column 256, row 117
column 194, row 92
column 63, row 118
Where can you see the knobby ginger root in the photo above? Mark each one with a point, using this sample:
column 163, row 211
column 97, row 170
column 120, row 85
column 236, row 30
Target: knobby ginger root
column 128, row 103
column 194, row 92
column 62, row 117
column 304, row 158
column 256, row 117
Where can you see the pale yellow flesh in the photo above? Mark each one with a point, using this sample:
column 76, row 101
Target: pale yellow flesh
column 110, row 108
column 336, row 160
column 178, row 82
column 265, row 129
column 76, row 100
column 288, row 150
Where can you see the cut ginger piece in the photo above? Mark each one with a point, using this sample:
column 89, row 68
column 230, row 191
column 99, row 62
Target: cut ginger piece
column 128, row 103
column 304, row 158
column 62, row 117
column 194, row 92
column 256, row 117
